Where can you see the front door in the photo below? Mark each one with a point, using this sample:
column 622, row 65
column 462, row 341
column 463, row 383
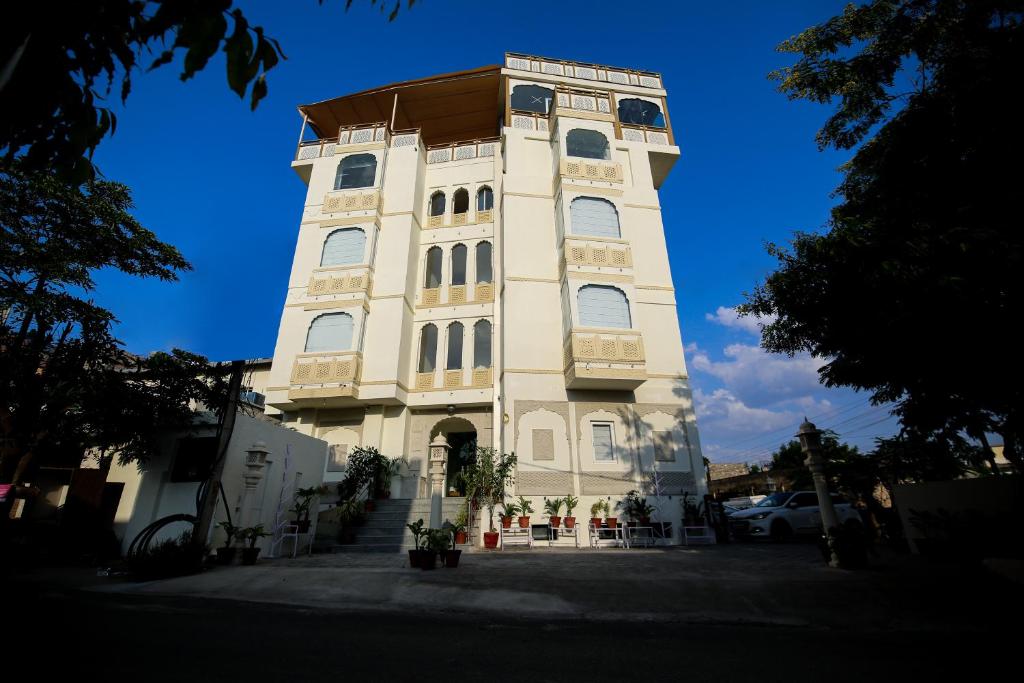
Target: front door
column 463, row 452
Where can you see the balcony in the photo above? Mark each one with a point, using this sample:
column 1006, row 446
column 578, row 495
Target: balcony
column 652, row 136
column 477, row 378
column 324, row 283
column 430, row 297
column 457, row 151
column 365, row 134
column 591, row 169
column 583, row 104
column 590, row 72
column 351, row 200
column 325, row 376
column 460, row 219
column 591, row 253
column 604, row 360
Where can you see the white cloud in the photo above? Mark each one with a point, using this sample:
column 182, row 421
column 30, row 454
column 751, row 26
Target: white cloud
column 728, row 317
column 759, row 378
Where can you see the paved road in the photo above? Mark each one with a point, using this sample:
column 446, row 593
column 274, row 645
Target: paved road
column 104, row 637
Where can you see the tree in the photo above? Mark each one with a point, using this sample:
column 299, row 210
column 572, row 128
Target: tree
column 910, row 292
column 59, row 61
column 66, row 384
column 789, row 460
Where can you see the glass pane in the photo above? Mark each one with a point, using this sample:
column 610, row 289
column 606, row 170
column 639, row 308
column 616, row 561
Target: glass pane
column 482, row 344
column 428, row 348
column 433, row 278
column 483, row 262
column 588, row 144
column 437, row 204
column 532, row 98
column 460, row 202
column 330, row 332
column 459, row 264
column 603, row 442
column 358, row 170
column 603, row 306
column 641, row 113
column 455, row 346
column 484, row 199
column 344, row 247
column 594, row 217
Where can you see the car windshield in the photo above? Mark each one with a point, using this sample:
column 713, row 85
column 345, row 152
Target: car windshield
column 773, row 501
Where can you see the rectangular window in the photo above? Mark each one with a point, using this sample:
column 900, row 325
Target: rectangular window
column 604, row 448
column 339, row 458
column 664, row 449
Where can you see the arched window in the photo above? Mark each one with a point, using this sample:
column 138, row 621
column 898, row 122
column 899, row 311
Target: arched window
column 357, row 170
column 589, row 144
column 641, row 113
column 532, row 98
column 454, row 347
column 344, row 247
column 603, row 306
column 482, row 344
column 484, row 272
column 437, row 204
column 459, row 264
column 428, row 348
column 594, row 217
column 330, row 332
column 484, row 199
column 460, row 201
column 433, row 277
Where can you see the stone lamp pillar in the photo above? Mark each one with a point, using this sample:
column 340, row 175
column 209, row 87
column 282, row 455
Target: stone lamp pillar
column 810, row 444
column 438, row 466
column 255, row 462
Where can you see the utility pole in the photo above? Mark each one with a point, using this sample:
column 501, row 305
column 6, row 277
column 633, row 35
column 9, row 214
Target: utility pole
column 227, row 426
column 810, row 443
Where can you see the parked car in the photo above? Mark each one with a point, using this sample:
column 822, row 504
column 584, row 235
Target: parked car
column 784, row 514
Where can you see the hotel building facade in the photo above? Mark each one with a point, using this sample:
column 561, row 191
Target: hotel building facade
column 481, row 256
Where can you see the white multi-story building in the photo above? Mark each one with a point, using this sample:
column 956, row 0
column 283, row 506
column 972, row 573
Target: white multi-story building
column 481, row 256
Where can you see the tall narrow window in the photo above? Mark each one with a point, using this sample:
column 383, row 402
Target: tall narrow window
column 532, row 98
column 330, row 332
column 604, row 447
column 357, row 170
column 482, row 344
column 433, row 276
column 437, row 204
column 344, row 247
column 640, row 113
column 594, row 217
column 484, row 199
column 428, row 348
column 459, row 264
column 484, row 270
column 603, row 306
column 454, row 346
column 460, row 201
column 589, row 144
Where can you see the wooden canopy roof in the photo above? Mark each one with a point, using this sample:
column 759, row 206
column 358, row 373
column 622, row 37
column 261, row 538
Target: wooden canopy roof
column 451, row 107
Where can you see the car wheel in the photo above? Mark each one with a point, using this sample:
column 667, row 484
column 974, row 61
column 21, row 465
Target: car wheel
column 781, row 531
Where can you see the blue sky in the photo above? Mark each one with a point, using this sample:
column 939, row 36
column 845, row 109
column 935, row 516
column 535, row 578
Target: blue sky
column 213, row 178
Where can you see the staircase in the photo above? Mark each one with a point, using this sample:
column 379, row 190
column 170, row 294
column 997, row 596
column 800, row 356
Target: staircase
column 385, row 529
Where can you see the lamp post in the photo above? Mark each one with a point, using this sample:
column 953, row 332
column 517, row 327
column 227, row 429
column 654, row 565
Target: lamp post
column 810, row 444
column 438, row 466
column 255, row 461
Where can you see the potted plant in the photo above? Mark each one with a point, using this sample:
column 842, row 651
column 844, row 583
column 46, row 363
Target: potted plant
column 251, row 534
column 570, row 504
column 525, row 508
column 350, row 515
column 303, row 503
column 553, row 508
column 487, row 476
column 507, row 514
column 436, row 545
column 450, row 555
column 610, row 521
column 643, row 511
column 387, row 469
column 628, row 505
column 598, row 511
column 226, row 554
column 416, row 554
column 459, row 527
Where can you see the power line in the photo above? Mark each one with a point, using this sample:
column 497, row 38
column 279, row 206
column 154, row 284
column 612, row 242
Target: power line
column 770, row 436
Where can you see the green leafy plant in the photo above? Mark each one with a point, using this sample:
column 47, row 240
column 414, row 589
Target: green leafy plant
column 570, row 504
column 461, row 520
column 304, row 500
column 231, row 530
column 252, row 534
column 628, row 504
column 362, row 472
column 171, row 557
column 599, row 509
column 418, row 533
column 438, row 540
column 553, row 506
column 508, row 510
column 387, row 468
column 488, row 475
column 525, row 507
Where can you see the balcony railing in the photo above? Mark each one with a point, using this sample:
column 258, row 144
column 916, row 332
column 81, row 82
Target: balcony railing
column 351, row 200
column 591, row 169
column 604, row 360
column 530, row 121
column 341, row 283
column 463, row 378
column 483, row 292
column 456, row 151
column 590, row 72
column 347, row 135
column 584, row 253
column 653, row 136
column 588, row 102
column 460, row 219
column 328, row 368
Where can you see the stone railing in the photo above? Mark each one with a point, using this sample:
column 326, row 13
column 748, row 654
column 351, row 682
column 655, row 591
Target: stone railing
column 457, row 151
column 652, row 136
column 460, row 219
column 479, row 378
column 405, row 138
column 602, row 347
column 340, row 283
column 582, row 253
column 483, row 377
column 587, row 101
column 363, row 133
column 590, row 72
column 591, row 169
column 430, row 297
column 316, row 149
column 530, row 121
column 328, row 368
column 351, row 200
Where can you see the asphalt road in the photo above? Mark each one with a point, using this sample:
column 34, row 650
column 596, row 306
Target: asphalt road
column 54, row 634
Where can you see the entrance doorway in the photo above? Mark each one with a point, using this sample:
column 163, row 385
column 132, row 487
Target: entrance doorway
column 461, row 436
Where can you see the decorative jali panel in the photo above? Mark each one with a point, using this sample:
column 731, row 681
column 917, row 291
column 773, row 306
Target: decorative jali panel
column 543, row 483
column 606, row 483
column 671, row 483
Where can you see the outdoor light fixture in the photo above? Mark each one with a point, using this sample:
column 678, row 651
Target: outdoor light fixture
column 810, row 437
column 451, row 409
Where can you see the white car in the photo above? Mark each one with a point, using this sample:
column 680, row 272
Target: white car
column 781, row 515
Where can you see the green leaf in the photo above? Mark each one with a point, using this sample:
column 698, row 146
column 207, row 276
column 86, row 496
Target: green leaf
column 259, row 91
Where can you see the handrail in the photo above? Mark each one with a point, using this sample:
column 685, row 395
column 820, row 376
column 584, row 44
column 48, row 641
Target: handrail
column 590, row 65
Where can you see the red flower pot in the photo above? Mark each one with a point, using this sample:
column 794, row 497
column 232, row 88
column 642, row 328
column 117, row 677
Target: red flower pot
column 597, row 522
column 524, row 522
column 460, row 537
column 645, row 521
column 570, row 522
column 506, row 522
column 612, row 522
column 491, row 539
column 555, row 521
